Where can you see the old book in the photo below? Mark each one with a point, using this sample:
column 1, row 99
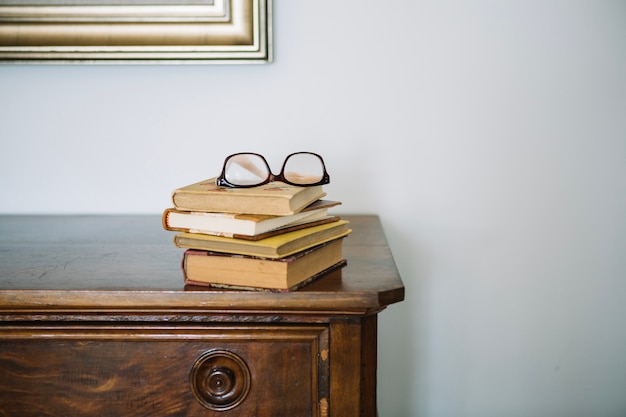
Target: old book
column 275, row 198
column 290, row 228
column 223, row 270
column 278, row 246
column 242, row 225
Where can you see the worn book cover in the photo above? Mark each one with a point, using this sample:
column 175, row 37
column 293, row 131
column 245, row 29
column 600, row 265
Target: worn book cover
column 222, row 270
column 275, row 198
column 243, row 225
column 278, row 246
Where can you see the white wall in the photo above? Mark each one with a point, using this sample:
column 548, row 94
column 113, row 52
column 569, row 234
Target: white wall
column 490, row 136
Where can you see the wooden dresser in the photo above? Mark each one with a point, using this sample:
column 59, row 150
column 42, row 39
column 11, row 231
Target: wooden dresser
column 95, row 321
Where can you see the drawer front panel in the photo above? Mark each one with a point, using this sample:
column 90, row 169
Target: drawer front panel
column 166, row 371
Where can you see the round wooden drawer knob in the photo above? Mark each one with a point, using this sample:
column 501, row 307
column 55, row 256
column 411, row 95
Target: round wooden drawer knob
column 220, row 379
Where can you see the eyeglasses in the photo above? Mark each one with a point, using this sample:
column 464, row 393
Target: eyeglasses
column 246, row 169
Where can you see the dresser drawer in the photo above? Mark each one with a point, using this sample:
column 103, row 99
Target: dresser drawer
column 124, row 370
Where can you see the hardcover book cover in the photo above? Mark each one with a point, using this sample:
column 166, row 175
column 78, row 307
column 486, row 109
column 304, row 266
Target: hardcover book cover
column 244, row 225
column 223, row 270
column 277, row 246
column 275, row 198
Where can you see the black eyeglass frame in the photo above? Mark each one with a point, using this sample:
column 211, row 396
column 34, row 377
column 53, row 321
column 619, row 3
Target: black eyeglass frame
column 223, row 182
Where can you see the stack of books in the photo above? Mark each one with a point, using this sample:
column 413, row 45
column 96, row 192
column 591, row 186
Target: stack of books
column 274, row 237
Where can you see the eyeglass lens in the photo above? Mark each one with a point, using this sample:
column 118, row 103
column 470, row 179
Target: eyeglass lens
column 250, row 169
column 246, row 169
column 303, row 168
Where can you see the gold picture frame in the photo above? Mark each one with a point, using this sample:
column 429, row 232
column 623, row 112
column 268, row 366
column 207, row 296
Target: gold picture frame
column 135, row 32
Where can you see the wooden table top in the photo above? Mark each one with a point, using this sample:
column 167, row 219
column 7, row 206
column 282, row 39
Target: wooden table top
column 114, row 263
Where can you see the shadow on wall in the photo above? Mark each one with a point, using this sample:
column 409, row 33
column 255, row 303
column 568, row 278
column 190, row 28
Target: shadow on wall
column 398, row 328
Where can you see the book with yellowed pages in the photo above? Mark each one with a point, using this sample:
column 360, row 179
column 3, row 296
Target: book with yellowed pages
column 244, row 226
column 223, row 270
column 280, row 230
column 275, row 198
column 277, row 246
